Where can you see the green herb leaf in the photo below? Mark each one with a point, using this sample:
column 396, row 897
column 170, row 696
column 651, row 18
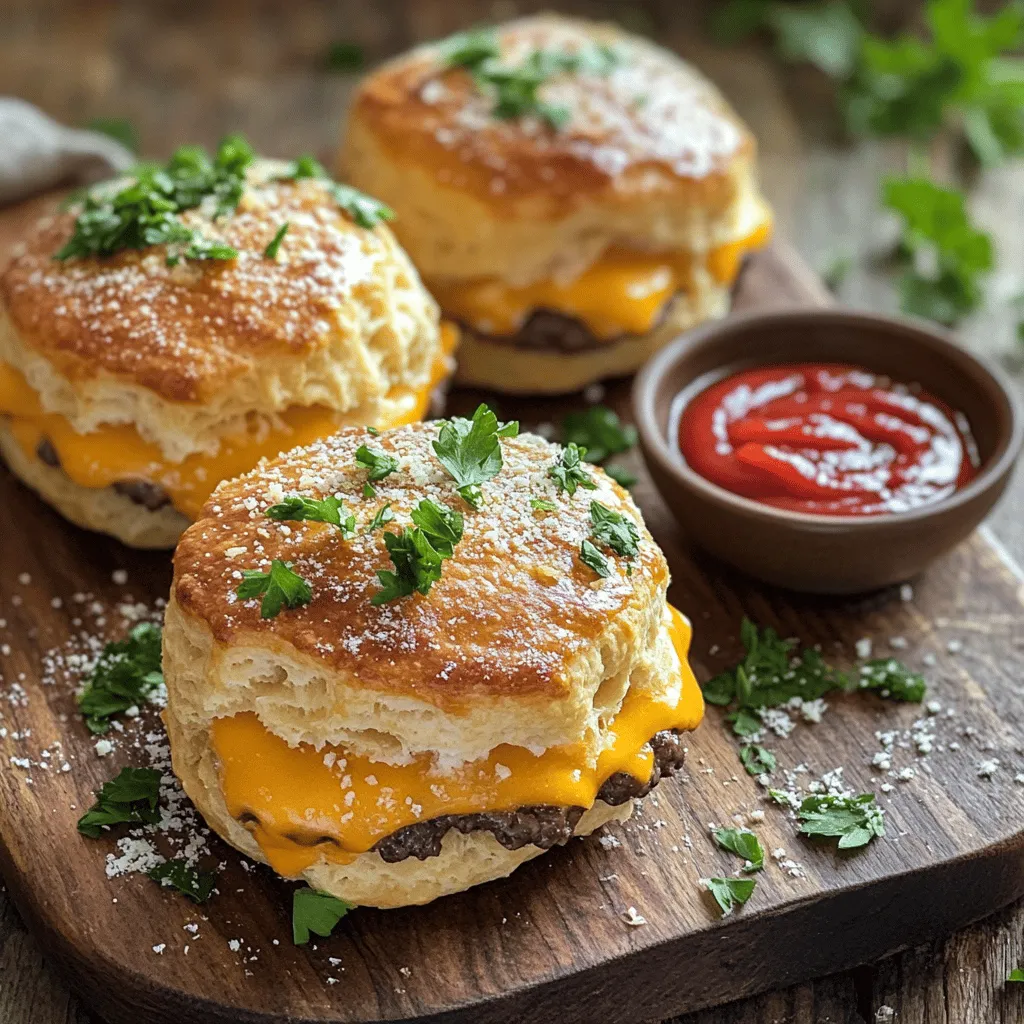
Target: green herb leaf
column 471, row 451
column 589, row 555
column 744, row 723
column 345, row 57
column 599, row 430
column 1017, row 974
column 827, row 35
column 296, row 509
column 543, row 505
column 730, row 893
column 366, row 211
column 373, row 431
column 855, row 820
column 441, row 525
column 125, row 674
column 369, row 491
column 306, row 166
column 180, row 875
column 383, row 516
column 893, row 680
column 118, row 128
column 281, row 587
column 744, row 844
column 418, row 553
column 131, row 798
column 757, row 760
column 614, row 530
column 378, row 464
column 621, row 476
column 274, row 247
column 315, row 912
column 569, row 472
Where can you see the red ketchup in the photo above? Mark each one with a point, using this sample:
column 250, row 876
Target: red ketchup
column 828, row 439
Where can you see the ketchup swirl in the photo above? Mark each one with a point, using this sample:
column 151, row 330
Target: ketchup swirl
column 828, row 439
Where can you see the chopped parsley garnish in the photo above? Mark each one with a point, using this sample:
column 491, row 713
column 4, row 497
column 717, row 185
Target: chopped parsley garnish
column 1017, row 974
column 383, row 516
column 855, row 820
column 471, row 451
column 315, row 912
column 589, row 555
column 378, row 464
column 274, row 247
column 366, row 211
column 730, row 893
column 131, row 798
column 145, row 212
column 296, row 509
column 419, row 552
column 893, row 680
column 599, row 430
column 614, row 530
column 516, row 90
column 125, row 674
column 621, row 476
column 179, row 874
column 279, row 588
column 344, row 56
column 947, row 255
column 744, row 844
column 744, row 722
column 569, row 473
column 757, row 760
column 120, row 129
column 373, row 431
column 369, row 491
column 543, row 505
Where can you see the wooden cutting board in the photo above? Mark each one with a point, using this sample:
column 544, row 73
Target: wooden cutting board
column 550, row 944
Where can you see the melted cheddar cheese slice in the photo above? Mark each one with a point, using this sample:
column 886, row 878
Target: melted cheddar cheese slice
column 622, row 293
column 116, row 452
column 302, row 804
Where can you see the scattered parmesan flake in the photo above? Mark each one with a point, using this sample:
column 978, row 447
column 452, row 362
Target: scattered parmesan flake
column 405, row 972
column 863, row 647
column 1019, row 777
column 881, row 761
column 906, row 774
column 502, row 771
column 933, row 707
column 812, row 710
column 234, row 945
column 608, row 842
column 777, row 720
column 906, row 592
column 632, row 918
column 103, row 747
column 329, row 759
column 24, row 579
column 756, row 815
column 929, row 660
column 988, row 768
column 887, row 787
column 885, row 1015
column 235, row 552
column 779, row 854
column 898, row 643
column 160, row 948
column 955, row 646
column 593, row 393
column 119, row 576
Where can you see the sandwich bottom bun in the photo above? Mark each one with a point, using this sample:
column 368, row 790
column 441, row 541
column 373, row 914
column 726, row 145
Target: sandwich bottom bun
column 101, row 509
column 502, row 365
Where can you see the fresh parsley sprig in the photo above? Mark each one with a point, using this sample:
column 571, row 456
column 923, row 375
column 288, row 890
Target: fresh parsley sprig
column 613, row 530
column 180, row 875
column 744, row 844
column 296, row 509
column 131, row 798
column 599, row 431
column 757, row 760
column 419, row 552
column 280, row 587
column 569, row 472
column 378, row 464
column 893, row 680
column 316, row 913
column 381, row 518
column 730, row 893
column 471, row 451
column 366, row 211
column 590, row 556
column 125, row 674
column 274, row 246
column 855, row 820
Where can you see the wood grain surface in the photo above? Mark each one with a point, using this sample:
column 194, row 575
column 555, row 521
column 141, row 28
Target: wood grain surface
column 185, row 73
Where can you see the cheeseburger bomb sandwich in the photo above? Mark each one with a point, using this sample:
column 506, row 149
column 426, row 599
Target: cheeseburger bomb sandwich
column 400, row 664
column 171, row 329
column 574, row 196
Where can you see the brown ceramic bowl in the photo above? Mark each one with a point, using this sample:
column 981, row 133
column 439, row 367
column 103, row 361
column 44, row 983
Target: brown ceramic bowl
column 819, row 553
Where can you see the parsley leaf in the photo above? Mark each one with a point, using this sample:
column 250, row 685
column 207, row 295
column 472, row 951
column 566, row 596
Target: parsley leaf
column 614, row 530
column 730, row 893
column 315, row 912
column 296, row 509
column 589, row 555
column 1017, row 974
column 744, row 844
column 179, row 874
column 379, row 464
column 124, row 675
column 366, row 211
column 543, row 505
column 274, row 247
column 855, row 820
column 383, row 516
column 419, row 552
column 599, row 430
column 827, row 35
column 569, row 473
column 892, row 679
column 344, row 57
column 621, row 476
column 471, row 450
column 144, row 212
column 131, row 798
column 280, row 587
column 757, row 760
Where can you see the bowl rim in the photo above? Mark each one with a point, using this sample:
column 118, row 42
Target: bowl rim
column 647, row 381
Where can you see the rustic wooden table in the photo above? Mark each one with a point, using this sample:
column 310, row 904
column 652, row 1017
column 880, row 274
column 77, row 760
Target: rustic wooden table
column 192, row 75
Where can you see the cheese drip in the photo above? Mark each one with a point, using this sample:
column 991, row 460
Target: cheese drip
column 302, row 805
column 117, row 452
column 624, row 292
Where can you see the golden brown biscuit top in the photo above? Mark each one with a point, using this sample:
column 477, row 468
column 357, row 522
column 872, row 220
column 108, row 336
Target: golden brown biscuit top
column 513, row 608
column 186, row 331
column 650, row 117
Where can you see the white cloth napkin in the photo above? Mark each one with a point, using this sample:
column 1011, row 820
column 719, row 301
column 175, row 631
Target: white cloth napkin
column 37, row 153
